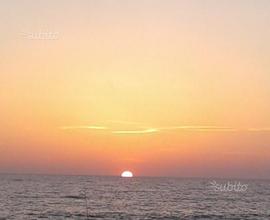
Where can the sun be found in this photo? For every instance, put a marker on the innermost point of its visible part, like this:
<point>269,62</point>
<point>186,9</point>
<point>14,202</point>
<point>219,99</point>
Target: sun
<point>127,174</point>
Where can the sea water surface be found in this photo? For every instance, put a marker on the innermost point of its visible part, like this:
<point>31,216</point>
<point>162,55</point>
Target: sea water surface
<point>95,197</point>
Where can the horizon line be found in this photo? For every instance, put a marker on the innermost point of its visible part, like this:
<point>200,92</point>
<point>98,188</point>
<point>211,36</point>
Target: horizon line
<point>136,176</point>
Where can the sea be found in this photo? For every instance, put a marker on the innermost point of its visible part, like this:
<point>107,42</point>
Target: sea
<point>107,197</point>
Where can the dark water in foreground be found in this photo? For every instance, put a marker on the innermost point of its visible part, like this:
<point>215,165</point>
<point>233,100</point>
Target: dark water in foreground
<point>89,197</point>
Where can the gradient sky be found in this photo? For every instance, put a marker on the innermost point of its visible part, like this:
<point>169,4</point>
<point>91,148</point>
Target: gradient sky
<point>161,88</point>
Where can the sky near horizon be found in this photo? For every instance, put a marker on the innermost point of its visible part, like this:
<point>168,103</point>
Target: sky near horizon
<point>161,88</point>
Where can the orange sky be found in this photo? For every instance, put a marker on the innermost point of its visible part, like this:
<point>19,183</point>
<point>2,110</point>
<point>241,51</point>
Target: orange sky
<point>178,88</point>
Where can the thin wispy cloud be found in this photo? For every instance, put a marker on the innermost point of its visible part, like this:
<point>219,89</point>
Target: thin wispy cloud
<point>145,131</point>
<point>136,129</point>
<point>199,128</point>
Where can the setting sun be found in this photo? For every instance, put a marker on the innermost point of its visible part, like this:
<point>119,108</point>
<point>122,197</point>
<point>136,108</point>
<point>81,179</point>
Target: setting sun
<point>127,174</point>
